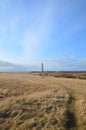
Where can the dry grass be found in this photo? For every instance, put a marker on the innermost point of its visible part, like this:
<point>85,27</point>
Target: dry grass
<point>73,75</point>
<point>32,102</point>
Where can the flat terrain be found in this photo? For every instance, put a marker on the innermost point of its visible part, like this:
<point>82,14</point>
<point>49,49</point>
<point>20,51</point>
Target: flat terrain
<point>42,102</point>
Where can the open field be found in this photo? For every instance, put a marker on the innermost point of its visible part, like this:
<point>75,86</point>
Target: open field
<point>42,102</point>
<point>73,75</point>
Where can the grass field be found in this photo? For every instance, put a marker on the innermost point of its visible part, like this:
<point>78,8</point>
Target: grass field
<point>52,101</point>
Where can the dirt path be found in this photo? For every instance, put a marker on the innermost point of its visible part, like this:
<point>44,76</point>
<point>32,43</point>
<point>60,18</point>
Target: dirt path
<point>76,108</point>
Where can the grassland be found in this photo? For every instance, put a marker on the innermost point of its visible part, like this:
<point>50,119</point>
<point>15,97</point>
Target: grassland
<point>48,101</point>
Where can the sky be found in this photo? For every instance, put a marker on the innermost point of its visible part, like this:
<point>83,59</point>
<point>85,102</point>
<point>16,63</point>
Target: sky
<point>48,31</point>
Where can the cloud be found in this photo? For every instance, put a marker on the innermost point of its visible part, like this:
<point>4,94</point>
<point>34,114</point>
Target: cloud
<point>65,64</point>
<point>49,65</point>
<point>38,27</point>
<point>6,66</point>
<point>34,40</point>
<point>30,38</point>
<point>72,57</point>
<point>55,19</point>
<point>81,64</point>
<point>1,55</point>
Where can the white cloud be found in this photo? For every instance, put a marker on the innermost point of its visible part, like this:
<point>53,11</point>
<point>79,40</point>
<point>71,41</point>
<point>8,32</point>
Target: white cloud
<point>6,66</point>
<point>1,55</point>
<point>71,57</point>
<point>34,39</point>
<point>49,65</point>
<point>40,30</point>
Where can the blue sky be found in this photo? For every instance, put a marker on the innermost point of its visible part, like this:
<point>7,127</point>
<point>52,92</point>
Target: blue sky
<point>48,31</point>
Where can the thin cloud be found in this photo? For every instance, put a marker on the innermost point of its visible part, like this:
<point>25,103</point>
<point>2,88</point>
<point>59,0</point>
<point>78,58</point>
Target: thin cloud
<point>6,66</point>
<point>49,65</point>
<point>33,30</point>
<point>34,39</point>
<point>72,57</point>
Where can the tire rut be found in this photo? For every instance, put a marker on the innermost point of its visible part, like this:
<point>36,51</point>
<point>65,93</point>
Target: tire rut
<point>72,110</point>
